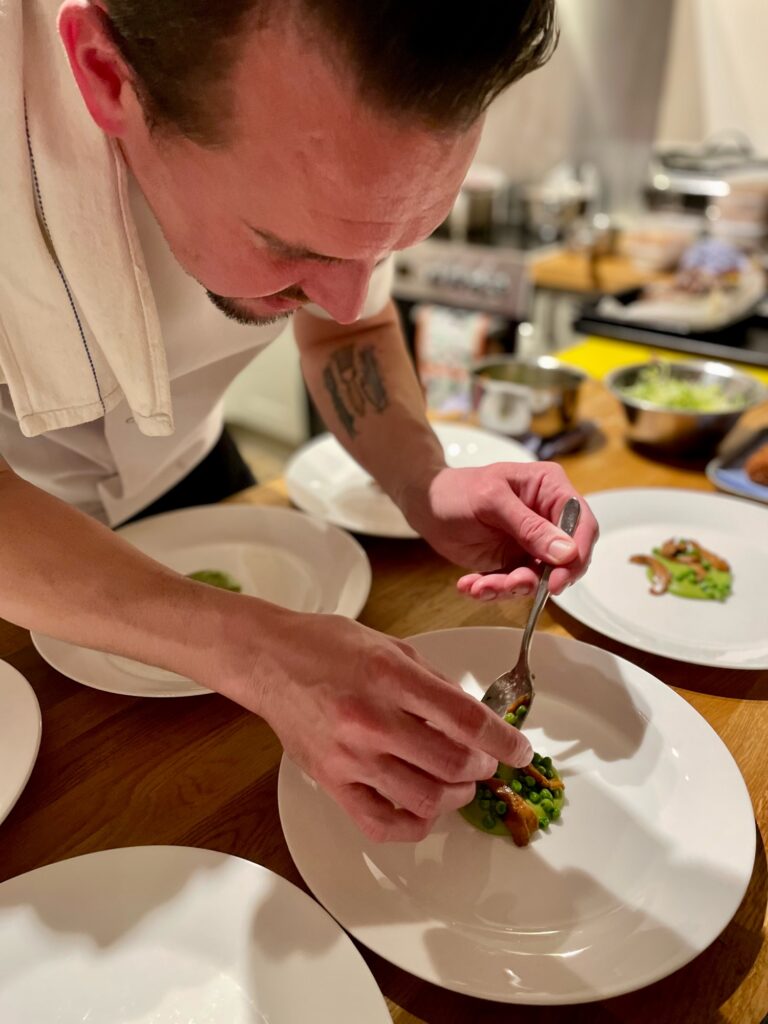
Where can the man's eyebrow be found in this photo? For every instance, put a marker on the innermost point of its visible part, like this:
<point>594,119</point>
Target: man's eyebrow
<point>298,252</point>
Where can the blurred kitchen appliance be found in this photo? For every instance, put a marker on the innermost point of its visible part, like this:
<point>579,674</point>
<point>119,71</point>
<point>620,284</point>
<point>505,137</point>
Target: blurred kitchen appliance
<point>481,278</point>
<point>723,180</point>
<point>480,208</point>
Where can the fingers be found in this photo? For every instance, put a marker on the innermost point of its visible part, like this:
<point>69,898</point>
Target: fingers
<point>413,790</point>
<point>525,502</point>
<point>585,536</point>
<point>378,818</point>
<point>499,507</point>
<point>521,582</point>
<point>548,492</point>
<point>465,720</point>
<point>436,754</point>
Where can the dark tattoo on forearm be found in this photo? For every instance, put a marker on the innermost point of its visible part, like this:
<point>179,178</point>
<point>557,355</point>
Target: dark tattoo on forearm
<point>373,385</point>
<point>342,411</point>
<point>353,380</point>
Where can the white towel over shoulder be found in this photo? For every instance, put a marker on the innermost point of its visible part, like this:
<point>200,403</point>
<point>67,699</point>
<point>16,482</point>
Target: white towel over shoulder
<point>68,360</point>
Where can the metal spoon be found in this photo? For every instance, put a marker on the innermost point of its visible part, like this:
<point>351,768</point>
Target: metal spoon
<point>516,686</point>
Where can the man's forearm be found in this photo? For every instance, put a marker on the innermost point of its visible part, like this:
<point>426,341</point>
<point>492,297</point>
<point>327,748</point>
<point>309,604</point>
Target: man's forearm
<point>70,577</point>
<point>365,387</point>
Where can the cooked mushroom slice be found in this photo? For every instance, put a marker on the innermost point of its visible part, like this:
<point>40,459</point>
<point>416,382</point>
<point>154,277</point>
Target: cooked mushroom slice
<point>515,706</point>
<point>672,548</point>
<point>542,780</point>
<point>662,577</point>
<point>708,556</point>
<point>521,820</point>
<point>692,561</point>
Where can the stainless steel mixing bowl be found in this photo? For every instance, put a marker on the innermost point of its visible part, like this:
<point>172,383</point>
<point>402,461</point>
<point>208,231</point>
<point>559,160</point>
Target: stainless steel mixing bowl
<point>678,431</point>
<point>516,396</point>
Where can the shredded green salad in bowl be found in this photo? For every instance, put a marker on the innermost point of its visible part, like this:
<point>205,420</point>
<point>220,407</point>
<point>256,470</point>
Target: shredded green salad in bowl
<point>657,385</point>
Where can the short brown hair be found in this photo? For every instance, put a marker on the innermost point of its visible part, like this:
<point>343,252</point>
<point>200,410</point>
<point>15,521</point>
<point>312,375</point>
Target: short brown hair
<point>437,63</point>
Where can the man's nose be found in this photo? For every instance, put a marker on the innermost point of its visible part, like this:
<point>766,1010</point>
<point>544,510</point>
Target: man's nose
<point>340,289</point>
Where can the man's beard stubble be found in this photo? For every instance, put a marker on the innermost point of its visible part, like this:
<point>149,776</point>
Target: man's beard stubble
<point>234,311</point>
<point>230,309</point>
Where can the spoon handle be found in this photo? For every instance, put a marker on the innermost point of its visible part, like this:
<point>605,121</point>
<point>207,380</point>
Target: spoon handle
<point>569,520</point>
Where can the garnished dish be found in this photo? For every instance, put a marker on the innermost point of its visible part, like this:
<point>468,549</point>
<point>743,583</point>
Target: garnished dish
<point>715,284</point>
<point>656,385</point>
<point>216,578</point>
<point>517,801</point>
<point>684,568</point>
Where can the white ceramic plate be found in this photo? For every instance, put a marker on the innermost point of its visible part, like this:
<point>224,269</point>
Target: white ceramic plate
<point>20,730</point>
<point>638,876</point>
<point>614,596</point>
<point>325,481</point>
<point>170,935</point>
<point>276,554</point>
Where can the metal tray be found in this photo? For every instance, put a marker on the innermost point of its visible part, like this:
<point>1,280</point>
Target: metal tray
<point>726,471</point>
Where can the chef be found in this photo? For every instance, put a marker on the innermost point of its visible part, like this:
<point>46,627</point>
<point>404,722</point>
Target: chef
<point>179,178</point>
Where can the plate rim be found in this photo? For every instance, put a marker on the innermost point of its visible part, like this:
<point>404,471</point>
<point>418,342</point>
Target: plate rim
<point>351,610</point>
<point>514,998</point>
<point>20,680</point>
<point>562,600</point>
<point>345,523</point>
<point>356,959</point>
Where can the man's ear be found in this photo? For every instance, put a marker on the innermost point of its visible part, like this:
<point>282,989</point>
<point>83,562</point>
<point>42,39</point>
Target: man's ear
<point>100,72</point>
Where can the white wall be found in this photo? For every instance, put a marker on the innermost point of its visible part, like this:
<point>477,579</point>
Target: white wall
<point>717,76</point>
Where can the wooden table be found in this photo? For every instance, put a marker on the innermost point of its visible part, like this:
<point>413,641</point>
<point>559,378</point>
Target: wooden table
<point>117,771</point>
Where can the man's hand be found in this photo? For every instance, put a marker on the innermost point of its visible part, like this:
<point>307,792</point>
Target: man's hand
<point>500,520</point>
<point>392,741</point>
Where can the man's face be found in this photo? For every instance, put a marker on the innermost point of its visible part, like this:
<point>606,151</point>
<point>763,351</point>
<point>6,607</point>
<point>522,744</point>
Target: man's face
<point>310,192</point>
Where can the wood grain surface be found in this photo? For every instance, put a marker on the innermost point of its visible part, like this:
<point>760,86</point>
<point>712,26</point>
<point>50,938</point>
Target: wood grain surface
<point>117,771</point>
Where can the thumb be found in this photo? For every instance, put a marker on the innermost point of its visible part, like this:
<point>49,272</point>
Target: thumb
<point>536,535</point>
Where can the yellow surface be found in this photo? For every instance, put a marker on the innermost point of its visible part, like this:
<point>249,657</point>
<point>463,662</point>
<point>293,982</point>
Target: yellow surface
<point>599,356</point>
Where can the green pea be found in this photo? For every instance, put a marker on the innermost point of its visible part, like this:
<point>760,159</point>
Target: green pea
<point>529,781</point>
<point>534,797</point>
<point>517,785</point>
<point>489,821</point>
<point>500,807</point>
<point>536,758</point>
<point>544,823</point>
<point>485,804</point>
<point>547,762</point>
<point>547,805</point>
<point>522,711</point>
<point>510,719</point>
<point>555,813</point>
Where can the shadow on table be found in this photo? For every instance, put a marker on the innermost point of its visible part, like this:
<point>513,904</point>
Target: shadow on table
<point>716,682</point>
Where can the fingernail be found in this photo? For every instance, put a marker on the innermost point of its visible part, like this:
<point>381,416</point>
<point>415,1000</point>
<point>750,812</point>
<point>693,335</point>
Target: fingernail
<point>486,595</point>
<point>524,590</point>
<point>561,550</point>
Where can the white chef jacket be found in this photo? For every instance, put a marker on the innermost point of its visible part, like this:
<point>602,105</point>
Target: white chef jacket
<point>113,361</point>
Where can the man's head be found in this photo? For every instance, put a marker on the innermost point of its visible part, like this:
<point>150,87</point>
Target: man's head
<point>286,146</point>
